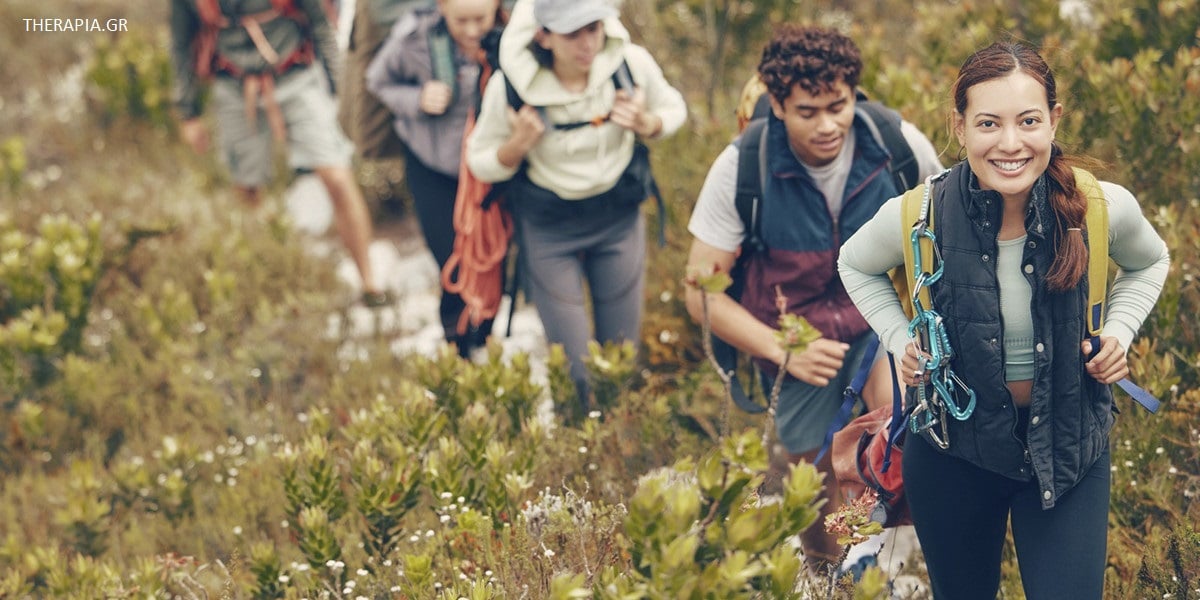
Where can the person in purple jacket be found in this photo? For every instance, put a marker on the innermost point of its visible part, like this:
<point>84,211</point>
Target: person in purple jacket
<point>427,73</point>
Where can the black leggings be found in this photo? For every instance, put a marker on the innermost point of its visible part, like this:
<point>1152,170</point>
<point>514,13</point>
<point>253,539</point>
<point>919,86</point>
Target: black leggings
<point>433,197</point>
<point>961,514</point>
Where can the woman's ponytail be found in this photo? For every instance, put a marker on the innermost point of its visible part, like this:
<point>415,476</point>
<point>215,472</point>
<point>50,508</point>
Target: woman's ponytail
<point>1070,210</point>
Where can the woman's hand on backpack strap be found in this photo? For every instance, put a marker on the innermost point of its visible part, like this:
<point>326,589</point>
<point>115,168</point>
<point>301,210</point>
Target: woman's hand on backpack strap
<point>1110,365</point>
<point>435,98</point>
<point>629,111</point>
<point>527,127</point>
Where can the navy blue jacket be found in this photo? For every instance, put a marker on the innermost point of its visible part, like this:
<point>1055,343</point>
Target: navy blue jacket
<point>802,238</point>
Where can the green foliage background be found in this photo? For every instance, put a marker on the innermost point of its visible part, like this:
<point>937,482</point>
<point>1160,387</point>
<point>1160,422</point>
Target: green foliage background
<point>180,414</point>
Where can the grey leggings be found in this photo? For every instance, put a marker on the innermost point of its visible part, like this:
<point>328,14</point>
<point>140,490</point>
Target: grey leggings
<point>606,251</point>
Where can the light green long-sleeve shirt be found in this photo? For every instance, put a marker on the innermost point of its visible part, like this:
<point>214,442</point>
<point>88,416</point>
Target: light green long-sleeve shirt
<point>1133,245</point>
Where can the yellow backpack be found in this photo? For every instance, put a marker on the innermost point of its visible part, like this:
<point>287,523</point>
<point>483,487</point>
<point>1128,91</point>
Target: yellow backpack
<point>1097,221</point>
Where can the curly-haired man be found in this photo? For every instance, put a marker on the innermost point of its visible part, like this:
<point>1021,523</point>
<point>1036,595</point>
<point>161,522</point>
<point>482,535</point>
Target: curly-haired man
<point>824,175</point>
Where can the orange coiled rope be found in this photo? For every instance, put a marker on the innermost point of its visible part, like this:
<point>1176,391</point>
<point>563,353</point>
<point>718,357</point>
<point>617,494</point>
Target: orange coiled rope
<point>475,269</point>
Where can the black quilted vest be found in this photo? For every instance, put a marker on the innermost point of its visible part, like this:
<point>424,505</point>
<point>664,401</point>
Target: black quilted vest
<point>1071,413</point>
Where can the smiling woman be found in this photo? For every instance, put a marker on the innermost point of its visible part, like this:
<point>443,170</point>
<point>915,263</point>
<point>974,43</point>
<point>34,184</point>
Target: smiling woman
<point>1012,235</point>
<point>1008,135</point>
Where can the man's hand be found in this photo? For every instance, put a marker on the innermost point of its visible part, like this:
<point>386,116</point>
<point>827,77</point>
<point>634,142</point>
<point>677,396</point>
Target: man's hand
<point>195,134</point>
<point>435,98</point>
<point>629,111</point>
<point>819,363</point>
<point>1110,364</point>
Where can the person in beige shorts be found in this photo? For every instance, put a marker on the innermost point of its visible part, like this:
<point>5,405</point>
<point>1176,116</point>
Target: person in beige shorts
<point>268,88</point>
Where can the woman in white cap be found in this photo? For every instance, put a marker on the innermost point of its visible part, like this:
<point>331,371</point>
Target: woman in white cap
<point>563,127</point>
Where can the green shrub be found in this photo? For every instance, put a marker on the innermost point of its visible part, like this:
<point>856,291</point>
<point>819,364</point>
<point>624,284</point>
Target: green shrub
<point>46,285</point>
<point>13,162</point>
<point>130,78</point>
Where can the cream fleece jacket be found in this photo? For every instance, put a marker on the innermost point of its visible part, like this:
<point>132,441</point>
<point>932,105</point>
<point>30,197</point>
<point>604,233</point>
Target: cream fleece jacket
<point>581,162</point>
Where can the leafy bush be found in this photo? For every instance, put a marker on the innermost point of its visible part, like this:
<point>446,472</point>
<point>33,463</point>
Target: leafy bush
<point>12,162</point>
<point>130,77</point>
<point>46,285</point>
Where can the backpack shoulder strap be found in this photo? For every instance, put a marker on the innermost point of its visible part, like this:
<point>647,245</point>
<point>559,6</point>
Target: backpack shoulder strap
<point>441,54</point>
<point>903,165</point>
<point>1097,241</point>
<point>515,101</point>
<point>751,180</point>
<point>748,200</point>
<point>622,78</point>
<point>850,396</point>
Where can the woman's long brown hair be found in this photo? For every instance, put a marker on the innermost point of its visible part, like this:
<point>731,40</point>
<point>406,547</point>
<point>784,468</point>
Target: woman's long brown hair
<point>1066,200</point>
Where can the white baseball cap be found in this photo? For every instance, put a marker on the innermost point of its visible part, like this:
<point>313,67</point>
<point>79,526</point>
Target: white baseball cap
<point>567,16</point>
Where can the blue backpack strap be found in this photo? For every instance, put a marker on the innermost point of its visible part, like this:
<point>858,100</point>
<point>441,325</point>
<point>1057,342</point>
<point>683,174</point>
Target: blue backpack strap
<point>1136,392</point>
<point>851,395</point>
<point>1139,395</point>
<point>896,427</point>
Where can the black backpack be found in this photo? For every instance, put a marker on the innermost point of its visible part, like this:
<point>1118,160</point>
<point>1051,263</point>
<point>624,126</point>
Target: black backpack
<point>752,173</point>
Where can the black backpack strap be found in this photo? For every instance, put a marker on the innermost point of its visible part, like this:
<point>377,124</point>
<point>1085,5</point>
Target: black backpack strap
<point>751,180</point>
<point>622,79</point>
<point>751,176</point>
<point>903,166</point>
<point>514,99</point>
<point>762,107</point>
